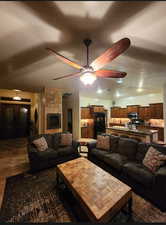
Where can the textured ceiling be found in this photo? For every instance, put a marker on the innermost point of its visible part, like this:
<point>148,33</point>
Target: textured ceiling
<point>28,27</point>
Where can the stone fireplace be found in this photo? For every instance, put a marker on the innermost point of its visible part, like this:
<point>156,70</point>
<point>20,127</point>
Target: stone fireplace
<point>51,109</point>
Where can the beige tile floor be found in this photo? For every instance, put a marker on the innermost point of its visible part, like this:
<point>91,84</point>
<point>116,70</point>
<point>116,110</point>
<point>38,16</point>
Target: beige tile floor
<point>13,160</point>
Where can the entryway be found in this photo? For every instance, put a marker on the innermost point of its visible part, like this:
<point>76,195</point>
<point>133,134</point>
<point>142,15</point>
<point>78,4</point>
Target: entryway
<point>14,120</point>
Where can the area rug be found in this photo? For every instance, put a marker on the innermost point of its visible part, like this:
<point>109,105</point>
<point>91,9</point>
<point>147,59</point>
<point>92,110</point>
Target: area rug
<point>34,198</point>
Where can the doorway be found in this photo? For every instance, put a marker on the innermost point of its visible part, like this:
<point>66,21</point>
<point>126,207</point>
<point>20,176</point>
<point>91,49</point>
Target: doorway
<point>69,120</point>
<point>14,120</point>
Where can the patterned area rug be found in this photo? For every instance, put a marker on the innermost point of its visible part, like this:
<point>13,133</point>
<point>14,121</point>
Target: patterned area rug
<point>34,198</point>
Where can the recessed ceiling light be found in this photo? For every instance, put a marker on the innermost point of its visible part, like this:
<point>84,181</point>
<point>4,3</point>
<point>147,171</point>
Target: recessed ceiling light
<point>117,94</point>
<point>139,89</point>
<point>99,91</point>
<point>119,81</point>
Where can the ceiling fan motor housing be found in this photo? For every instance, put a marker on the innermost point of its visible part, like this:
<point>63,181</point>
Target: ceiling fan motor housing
<point>87,42</point>
<point>87,69</point>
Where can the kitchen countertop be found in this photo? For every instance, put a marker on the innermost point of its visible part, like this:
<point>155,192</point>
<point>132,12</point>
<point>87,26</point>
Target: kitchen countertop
<point>143,132</point>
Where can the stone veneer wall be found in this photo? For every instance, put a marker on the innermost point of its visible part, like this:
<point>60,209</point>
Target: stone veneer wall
<point>72,102</point>
<point>51,102</point>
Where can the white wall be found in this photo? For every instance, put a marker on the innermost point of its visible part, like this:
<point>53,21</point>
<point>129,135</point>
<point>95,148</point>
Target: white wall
<point>85,101</point>
<point>143,100</point>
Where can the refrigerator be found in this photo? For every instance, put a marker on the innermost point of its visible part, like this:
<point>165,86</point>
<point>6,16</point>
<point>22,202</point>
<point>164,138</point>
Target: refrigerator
<point>99,123</point>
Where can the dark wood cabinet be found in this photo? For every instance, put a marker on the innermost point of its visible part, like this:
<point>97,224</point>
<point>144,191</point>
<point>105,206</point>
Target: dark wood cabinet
<point>118,112</point>
<point>144,112</point>
<point>156,111</point>
<point>153,111</point>
<point>160,132</point>
<point>85,113</point>
<point>122,112</point>
<point>159,129</point>
<point>84,133</point>
<point>87,132</point>
<point>115,112</point>
<point>97,108</point>
<point>90,132</point>
<point>132,108</point>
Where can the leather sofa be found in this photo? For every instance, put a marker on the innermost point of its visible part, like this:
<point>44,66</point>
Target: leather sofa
<point>124,161</point>
<point>52,156</point>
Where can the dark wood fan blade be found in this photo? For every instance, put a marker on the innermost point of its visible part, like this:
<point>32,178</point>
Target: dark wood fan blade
<point>67,76</point>
<point>66,60</point>
<point>117,49</point>
<point>110,74</point>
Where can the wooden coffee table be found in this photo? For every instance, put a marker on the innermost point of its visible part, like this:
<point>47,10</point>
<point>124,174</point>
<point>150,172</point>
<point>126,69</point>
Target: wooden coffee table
<point>100,194</point>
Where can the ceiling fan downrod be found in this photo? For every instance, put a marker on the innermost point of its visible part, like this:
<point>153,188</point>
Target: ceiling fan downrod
<point>87,42</point>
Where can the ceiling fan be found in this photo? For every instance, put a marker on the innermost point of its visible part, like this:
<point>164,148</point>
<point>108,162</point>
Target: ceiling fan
<point>89,73</point>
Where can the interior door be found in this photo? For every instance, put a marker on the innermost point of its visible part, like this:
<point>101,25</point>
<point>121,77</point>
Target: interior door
<point>22,120</point>
<point>70,120</point>
<point>7,121</point>
<point>14,120</point>
<point>99,124</point>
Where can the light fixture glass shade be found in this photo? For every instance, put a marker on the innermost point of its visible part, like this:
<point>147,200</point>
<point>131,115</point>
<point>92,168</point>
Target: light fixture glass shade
<point>99,91</point>
<point>119,81</point>
<point>88,78</point>
<point>17,98</point>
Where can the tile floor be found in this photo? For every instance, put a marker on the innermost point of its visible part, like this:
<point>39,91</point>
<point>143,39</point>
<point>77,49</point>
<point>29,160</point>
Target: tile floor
<point>13,160</point>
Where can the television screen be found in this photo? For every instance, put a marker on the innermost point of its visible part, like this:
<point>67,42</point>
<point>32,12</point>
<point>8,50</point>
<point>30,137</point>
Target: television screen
<point>53,120</point>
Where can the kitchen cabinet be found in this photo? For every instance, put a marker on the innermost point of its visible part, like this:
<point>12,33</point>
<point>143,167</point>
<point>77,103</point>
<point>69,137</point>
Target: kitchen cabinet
<point>122,112</point>
<point>144,112</point>
<point>95,108</point>
<point>115,112</point>
<point>87,132</point>
<point>84,133</point>
<point>132,108</point>
<point>85,113</point>
<point>156,111</point>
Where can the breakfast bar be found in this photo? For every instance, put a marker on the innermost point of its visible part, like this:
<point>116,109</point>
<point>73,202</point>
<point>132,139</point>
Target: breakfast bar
<point>144,135</point>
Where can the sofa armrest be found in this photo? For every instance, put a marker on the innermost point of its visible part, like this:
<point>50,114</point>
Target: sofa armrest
<point>91,145</point>
<point>160,178</point>
<point>161,173</point>
<point>75,145</point>
<point>32,152</point>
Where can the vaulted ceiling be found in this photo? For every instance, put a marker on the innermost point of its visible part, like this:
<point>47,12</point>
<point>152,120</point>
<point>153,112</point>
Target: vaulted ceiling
<point>27,28</point>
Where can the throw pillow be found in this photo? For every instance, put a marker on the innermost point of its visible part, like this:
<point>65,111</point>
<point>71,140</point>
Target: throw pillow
<point>153,159</point>
<point>40,144</point>
<point>66,139</point>
<point>103,142</point>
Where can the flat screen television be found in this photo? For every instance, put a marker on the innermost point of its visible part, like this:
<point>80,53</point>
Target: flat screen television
<point>53,120</point>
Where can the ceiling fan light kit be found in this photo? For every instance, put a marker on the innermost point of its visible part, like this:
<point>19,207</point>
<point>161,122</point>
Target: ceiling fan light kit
<point>89,73</point>
<point>88,78</point>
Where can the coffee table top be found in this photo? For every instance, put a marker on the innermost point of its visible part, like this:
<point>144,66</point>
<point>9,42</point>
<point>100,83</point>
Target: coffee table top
<point>98,191</point>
